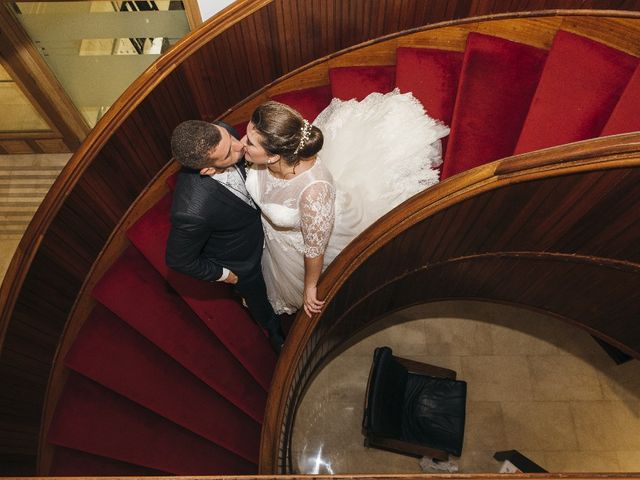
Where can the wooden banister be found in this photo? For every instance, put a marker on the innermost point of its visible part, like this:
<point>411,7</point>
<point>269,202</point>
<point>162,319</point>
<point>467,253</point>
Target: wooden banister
<point>197,78</point>
<point>523,231</point>
<point>431,476</point>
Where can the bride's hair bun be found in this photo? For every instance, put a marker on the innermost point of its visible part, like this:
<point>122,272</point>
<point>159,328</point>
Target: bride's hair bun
<point>286,133</point>
<point>312,144</point>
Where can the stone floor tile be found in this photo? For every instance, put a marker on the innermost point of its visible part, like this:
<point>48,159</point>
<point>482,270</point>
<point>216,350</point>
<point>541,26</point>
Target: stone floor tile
<point>346,378</point>
<point>607,425</point>
<point>545,426</point>
<point>484,427</point>
<point>496,378</point>
<point>563,377</point>
<point>592,462</point>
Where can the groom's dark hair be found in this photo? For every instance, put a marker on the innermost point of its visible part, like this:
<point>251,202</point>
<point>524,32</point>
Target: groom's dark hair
<point>191,142</point>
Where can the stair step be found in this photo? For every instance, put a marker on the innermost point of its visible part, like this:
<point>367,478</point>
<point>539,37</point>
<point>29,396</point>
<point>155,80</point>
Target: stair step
<point>23,191</point>
<point>171,181</point>
<point>580,85</point>
<point>95,420</point>
<point>497,83</point>
<point>625,117</point>
<point>213,302</point>
<point>111,353</point>
<point>13,229</point>
<point>19,208</point>
<point>20,202</point>
<point>309,101</point>
<point>432,76</point>
<point>74,463</point>
<point>47,161</point>
<point>136,293</point>
<point>26,182</point>
<point>27,169</point>
<point>358,82</point>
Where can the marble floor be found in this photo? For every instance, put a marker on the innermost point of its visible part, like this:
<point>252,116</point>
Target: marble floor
<point>535,384</point>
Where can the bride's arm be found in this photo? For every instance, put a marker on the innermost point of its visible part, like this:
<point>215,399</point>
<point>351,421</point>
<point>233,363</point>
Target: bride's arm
<point>316,223</point>
<point>312,271</point>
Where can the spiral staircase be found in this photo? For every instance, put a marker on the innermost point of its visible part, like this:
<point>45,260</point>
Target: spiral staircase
<point>164,375</point>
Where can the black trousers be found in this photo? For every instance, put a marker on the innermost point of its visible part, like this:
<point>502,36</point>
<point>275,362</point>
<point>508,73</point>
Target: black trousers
<point>254,292</point>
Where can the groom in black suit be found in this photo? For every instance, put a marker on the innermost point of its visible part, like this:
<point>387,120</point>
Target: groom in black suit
<point>216,233</point>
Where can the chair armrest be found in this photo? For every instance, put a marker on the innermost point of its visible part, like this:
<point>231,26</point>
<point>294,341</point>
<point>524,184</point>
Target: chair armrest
<point>366,399</point>
<point>425,368</point>
<point>405,448</point>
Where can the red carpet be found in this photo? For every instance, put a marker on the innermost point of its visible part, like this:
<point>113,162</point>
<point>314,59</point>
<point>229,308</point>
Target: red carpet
<point>135,292</point>
<point>150,440</point>
<point>358,82</point>
<point>141,372</point>
<point>309,101</point>
<point>626,117</point>
<point>432,76</point>
<point>496,86</point>
<point>214,303</point>
<point>581,83</point>
<point>73,463</point>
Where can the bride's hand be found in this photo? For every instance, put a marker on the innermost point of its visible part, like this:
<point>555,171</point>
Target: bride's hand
<point>311,303</point>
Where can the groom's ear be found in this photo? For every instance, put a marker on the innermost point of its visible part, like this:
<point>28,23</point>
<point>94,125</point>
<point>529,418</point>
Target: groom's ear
<point>206,170</point>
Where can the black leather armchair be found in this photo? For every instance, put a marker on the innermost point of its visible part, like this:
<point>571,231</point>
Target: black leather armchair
<point>413,408</point>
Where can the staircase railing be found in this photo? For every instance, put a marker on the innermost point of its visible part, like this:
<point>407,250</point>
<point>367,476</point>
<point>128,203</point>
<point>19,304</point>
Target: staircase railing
<point>198,78</point>
<point>483,235</point>
<point>461,476</point>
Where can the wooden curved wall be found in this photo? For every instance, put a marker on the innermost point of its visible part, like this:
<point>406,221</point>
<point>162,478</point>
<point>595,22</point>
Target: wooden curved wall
<point>199,78</point>
<point>572,226</point>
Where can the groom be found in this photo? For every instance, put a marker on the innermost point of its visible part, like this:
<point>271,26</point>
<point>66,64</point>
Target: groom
<point>216,233</point>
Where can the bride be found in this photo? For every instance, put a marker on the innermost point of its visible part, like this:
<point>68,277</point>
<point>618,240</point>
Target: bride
<point>320,185</point>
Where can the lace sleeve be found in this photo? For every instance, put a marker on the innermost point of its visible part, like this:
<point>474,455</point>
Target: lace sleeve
<point>317,211</point>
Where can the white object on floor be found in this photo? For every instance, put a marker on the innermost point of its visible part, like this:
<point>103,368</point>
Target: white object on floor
<point>430,465</point>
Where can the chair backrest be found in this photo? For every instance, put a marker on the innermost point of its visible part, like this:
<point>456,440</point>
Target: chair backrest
<point>385,395</point>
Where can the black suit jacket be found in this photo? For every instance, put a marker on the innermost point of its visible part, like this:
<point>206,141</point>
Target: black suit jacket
<point>212,228</point>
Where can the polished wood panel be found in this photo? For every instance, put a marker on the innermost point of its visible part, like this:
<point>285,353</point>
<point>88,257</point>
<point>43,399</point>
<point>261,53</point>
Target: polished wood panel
<point>399,476</point>
<point>234,56</point>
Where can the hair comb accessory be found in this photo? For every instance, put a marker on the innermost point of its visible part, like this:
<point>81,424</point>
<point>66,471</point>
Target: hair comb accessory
<point>305,133</point>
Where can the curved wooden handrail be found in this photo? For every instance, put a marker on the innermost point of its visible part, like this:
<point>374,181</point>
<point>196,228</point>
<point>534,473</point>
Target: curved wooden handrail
<point>400,476</point>
<point>129,146</point>
<point>371,278</point>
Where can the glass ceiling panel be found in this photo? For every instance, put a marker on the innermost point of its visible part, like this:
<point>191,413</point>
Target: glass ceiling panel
<point>97,49</point>
<point>18,114</point>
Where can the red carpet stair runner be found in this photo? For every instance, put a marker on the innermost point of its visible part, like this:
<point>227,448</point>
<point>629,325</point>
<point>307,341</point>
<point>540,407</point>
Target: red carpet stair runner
<point>170,375</point>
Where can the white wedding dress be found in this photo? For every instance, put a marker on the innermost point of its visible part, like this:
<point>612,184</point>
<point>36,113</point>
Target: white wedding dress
<point>376,154</point>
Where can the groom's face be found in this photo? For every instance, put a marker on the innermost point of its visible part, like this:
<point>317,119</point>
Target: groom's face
<point>228,152</point>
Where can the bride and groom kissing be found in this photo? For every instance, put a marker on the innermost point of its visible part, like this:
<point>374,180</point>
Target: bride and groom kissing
<point>267,213</point>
